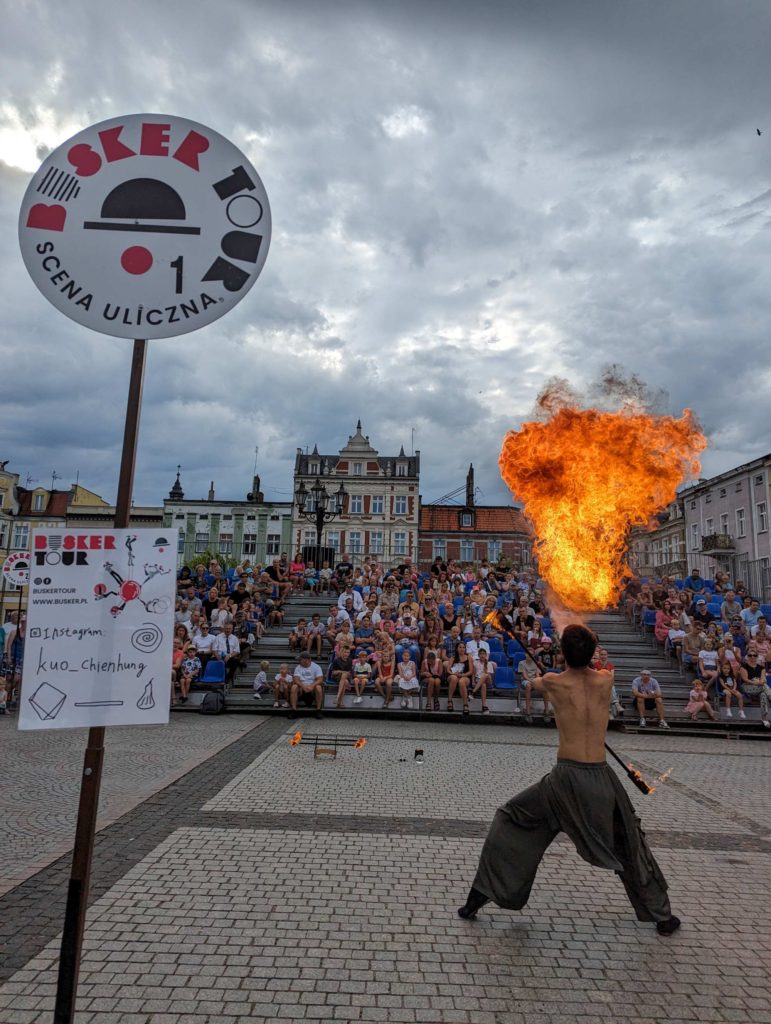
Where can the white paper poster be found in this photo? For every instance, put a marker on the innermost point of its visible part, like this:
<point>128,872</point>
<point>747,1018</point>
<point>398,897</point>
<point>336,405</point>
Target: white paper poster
<point>100,624</point>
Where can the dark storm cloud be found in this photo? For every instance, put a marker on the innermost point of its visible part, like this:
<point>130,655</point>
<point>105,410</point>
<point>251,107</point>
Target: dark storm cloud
<point>467,200</point>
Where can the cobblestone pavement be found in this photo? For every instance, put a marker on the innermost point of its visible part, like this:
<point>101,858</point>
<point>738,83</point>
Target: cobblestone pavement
<point>41,780</point>
<point>264,886</point>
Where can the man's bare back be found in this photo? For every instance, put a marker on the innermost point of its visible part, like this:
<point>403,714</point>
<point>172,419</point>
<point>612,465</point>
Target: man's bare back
<point>581,698</point>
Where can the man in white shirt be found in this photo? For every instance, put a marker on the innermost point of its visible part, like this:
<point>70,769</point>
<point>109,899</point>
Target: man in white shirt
<point>350,594</point>
<point>228,649</point>
<point>476,644</point>
<point>204,644</point>
<point>307,685</point>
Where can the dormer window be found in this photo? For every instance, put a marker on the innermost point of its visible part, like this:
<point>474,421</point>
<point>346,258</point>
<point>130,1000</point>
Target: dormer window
<point>314,469</point>
<point>467,519</point>
<point>357,469</point>
<point>38,503</point>
<point>401,469</point>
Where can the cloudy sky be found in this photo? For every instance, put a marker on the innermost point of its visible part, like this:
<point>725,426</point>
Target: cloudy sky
<point>467,199</point>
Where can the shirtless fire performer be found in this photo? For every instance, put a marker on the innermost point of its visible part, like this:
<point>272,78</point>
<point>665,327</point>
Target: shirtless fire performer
<point>581,796</point>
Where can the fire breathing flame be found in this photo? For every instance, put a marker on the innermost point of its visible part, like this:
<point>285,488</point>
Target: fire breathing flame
<point>663,777</point>
<point>360,742</point>
<point>586,477</point>
<point>295,739</point>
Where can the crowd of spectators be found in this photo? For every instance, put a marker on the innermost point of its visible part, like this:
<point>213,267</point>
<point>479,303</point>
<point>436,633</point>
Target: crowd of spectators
<point>395,630</point>
<point>716,630</point>
<point>400,633</point>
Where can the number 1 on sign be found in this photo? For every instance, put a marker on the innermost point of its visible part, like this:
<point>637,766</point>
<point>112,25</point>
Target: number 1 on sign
<point>177,265</point>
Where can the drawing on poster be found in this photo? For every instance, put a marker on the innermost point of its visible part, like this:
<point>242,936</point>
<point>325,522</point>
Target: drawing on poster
<point>98,703</point>
<point>47,701</point>
<point>131,590</point>
<point>147,701</point>
<point>130,548</point>
<point>147,638</point>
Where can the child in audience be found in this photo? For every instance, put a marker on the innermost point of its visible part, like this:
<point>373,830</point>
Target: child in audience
<point>281,686</point>
<point>298,636</point>
<point>362,673</point>
<point>407,680</point>
<point>699,701</point>
<point>261,680</point>
<point>190,670</point>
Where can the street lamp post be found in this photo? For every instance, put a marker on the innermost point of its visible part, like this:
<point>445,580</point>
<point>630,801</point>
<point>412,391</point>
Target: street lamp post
<point>325,507</point>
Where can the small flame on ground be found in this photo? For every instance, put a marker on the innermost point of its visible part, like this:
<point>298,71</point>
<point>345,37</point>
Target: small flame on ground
<point>360,742</point>
<point>586,477</point>
<point>295,739</point>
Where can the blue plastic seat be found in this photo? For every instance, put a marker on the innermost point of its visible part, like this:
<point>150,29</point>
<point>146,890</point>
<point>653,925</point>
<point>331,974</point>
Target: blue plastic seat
<point>515,648</point>
<point>499,658</point>
<point>504,679</point>
<point>495,644</point>
<point>457,602</point>
<point>765,609</point>
<point>214,673</point>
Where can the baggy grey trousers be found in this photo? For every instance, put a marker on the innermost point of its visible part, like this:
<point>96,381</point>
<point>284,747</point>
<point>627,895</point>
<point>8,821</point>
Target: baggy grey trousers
<point>589,804</point>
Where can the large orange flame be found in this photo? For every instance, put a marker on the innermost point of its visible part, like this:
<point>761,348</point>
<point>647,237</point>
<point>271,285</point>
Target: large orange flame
<point>585,478</point>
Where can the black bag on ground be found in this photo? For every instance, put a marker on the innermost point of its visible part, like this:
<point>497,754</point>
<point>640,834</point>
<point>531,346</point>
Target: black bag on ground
<point>213,703</point>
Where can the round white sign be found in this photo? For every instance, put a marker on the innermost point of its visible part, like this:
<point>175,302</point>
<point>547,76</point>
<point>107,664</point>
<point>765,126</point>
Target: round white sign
<point>145,226</point>
<point>16,568</point>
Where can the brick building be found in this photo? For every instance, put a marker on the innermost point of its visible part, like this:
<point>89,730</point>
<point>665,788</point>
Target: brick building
<point>471,532</point>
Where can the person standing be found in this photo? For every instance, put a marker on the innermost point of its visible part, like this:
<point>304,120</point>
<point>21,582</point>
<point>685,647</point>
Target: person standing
<point>581,796</point>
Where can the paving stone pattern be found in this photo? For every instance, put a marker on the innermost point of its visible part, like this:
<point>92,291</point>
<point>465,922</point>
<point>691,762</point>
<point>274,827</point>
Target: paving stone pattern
<point>247,893</point>
<point>41,779</point>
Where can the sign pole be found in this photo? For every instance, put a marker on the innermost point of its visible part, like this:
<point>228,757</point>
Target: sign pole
<point>85,829</point>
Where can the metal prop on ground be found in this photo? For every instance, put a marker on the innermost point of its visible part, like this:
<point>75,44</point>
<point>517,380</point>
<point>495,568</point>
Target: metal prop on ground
<point>332,744</point>
<point>632,773</point>
<point>143,178</point>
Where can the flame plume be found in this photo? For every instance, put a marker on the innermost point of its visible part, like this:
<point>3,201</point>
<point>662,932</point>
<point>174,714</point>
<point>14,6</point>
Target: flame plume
<point>586,477</point>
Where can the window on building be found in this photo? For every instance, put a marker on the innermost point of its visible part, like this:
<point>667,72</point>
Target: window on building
<point>467,519</point>
<point>180,543</point>
<point>709,526</point>
<point>762,516</point>
<point>741,523</point>
<point>376,542</point>
<point>357,469</point>
<point>354,542</point>
<point>309,538</point>
<point>226,543</point>
<point>738,486</point>
<point>494,548</point>
<point>439,548</point>
<point>724,522</point>
<point>467,551</point>
<point>708,499</point>
<point>693,504</point>
<point>250,544</point>
<point>3,493</point>
<point>180,515</point>
<point>273,544</point>
<point>21,536</point>
<point>399,542</point>
<point>310,503</point>
<point>3,534</point>
<point>356,506</point>
<point>759,478</point>
<point>313,468</point>
<point>400,505</point>
<point>38,503</point>
<point>201,542</point>
<point>377,505</point>
<point>401,469</point>
<point>722,492</point>
<point>333,539</point>
<point>695,537</point>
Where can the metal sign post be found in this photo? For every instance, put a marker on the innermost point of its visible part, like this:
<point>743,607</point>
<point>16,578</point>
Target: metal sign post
<point>88,805</point>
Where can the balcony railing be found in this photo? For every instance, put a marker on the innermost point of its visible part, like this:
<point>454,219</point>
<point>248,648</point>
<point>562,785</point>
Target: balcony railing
<point>718,542</point>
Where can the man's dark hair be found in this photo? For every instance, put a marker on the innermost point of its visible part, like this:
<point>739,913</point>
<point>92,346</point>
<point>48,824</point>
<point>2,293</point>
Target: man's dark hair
<point>578,645</point>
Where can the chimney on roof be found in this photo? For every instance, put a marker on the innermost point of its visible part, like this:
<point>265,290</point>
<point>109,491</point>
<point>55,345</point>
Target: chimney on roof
<point>470,486</point>
<point>210,496</point>
<point>255,494</point>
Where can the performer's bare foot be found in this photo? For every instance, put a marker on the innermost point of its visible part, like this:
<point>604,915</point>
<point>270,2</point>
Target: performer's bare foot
<point>669,926</point>
<point>474,902</point>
